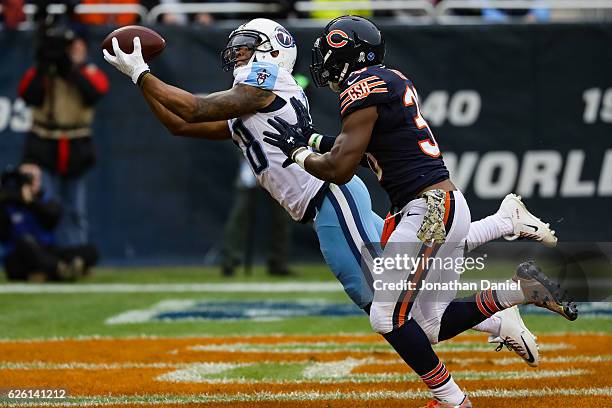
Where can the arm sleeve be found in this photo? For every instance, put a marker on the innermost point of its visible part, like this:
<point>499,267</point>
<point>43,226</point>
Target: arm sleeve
<point>91,82</point>
<point>364,90</point>
<point>32,87</point>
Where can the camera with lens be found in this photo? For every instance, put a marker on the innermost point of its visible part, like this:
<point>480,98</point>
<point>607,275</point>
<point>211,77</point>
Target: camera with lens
<point>52,52</point>
<point>53,46</point>
<point>12,181</point>
<point>54,37</point>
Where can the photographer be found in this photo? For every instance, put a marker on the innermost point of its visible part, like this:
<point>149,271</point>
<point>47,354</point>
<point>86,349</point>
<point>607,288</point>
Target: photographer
<point>62,90</point>
<point>27,219</point>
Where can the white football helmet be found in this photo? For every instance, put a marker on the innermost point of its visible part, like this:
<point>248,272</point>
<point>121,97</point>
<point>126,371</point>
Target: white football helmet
<point>269,41</point>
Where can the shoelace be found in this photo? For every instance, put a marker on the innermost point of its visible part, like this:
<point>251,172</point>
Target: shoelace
<point>512,346</point>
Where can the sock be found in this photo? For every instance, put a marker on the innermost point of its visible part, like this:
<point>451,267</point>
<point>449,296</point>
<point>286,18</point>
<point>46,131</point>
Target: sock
<point>460,315</point>
<point>485,230</point>
<point>412,344</point>
<point>508,298</point>
<point>465,313</point>
<point>443,386</point>
<point>490,325</point>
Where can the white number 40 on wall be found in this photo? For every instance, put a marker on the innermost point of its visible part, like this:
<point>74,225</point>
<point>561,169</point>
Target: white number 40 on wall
<point>14,116</point>
<point>597,105</point>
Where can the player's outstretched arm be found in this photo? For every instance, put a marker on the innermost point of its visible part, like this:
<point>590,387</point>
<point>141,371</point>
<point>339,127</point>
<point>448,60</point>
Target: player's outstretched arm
<point>240,100</point>
<point>340,163</point>
<point>217,130</point>
<point>232,103</point>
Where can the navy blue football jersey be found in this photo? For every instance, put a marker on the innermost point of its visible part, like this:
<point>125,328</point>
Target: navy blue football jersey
<point>402,151</point>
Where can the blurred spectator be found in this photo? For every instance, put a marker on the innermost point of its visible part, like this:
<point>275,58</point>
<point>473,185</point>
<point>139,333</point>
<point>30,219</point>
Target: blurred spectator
<point>62,90</point>
<point>240,236</point>
<point>493,15</point>
<point>286,9</point>
<point>168,18</point>
<point>28,217</point>
<point>114,19</point>
<point>12,13</point>
<point>340,11</point>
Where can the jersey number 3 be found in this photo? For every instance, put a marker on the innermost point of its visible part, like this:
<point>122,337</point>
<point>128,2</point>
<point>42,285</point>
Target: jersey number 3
<point>428,146</point>
<point>253,150</point>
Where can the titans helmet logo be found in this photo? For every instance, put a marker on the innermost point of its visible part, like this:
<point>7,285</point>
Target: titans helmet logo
<point>284,38</point>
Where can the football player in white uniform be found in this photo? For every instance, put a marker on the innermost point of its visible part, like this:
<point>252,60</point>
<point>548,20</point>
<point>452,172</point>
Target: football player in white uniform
<point>261,54</point>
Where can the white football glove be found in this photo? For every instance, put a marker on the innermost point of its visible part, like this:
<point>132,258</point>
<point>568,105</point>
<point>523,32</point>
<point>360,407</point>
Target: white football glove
<point>132,65</point>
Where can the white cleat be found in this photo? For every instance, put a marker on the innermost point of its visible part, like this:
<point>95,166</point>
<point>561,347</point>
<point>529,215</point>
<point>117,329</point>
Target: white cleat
<point>516,336</point>
<point>525,224</point>
<point>438,404</point>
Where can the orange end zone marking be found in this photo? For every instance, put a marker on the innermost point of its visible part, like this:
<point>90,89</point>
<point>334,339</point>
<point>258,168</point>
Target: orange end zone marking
<point>142,381</point>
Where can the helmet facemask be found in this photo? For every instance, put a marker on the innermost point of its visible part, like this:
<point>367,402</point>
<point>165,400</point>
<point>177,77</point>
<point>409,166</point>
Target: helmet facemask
<point>240,40</point>
<point>325,70</point>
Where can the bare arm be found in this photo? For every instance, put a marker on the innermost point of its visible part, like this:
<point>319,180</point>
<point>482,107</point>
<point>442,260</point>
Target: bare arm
<point>217,130</point>
<point>232,103</point>
<point>340,163</point>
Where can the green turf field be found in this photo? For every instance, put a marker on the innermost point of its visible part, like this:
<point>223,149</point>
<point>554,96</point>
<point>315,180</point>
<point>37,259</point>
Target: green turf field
<point>185,336</point>
<point>44,315</point>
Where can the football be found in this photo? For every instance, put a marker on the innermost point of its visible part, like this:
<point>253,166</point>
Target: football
<point>152,43</point>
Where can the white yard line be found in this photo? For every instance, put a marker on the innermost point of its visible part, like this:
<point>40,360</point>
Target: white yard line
<point>357,335</point>
<point>354,347</point>
<point>256,287</point>
<point>515,360</point>
<point>335,369</point>
<point>78,365</point>
<point>317,396</point>
<point>192,375</point>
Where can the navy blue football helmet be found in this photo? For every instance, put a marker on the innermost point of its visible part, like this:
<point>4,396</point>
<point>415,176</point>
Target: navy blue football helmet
<point>348,43</point>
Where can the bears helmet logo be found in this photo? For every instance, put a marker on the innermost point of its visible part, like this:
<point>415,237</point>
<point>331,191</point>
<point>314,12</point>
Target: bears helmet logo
<point>339,34</point>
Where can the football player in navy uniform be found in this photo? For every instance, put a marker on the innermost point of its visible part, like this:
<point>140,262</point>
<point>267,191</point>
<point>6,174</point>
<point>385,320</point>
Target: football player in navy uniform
<point>430,217</point>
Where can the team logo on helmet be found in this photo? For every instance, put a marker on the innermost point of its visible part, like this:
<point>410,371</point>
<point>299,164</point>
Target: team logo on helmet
<point>337,38</point>
<point>283,37</point>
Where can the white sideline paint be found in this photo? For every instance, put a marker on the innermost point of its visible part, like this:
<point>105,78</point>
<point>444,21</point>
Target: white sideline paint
<point>318,396</point>
<point>146,315</point>
<point>256,287</point>
<point>268,311</point>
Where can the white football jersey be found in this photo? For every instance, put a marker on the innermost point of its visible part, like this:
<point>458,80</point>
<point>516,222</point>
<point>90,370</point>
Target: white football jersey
<point>292,186</point>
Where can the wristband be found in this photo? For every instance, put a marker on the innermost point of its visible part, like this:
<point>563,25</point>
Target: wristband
<point>315,140</point>
<point>141,77</point>
<point>300,155</point>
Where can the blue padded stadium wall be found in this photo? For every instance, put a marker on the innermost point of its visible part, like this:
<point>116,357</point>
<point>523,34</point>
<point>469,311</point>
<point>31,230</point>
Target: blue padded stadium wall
<point>531,117</point>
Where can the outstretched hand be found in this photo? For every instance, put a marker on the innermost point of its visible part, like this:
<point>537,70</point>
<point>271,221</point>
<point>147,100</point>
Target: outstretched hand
<point>289,138</point>
<point>132,65</point>
<point>304,122</point>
